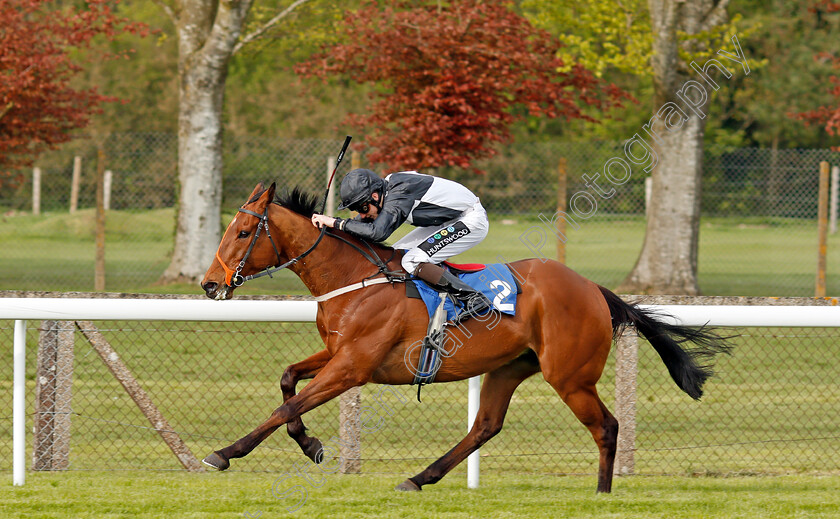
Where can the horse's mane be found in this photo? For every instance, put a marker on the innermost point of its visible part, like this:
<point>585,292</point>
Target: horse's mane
<point>298,201</point>
<point>304,204</point>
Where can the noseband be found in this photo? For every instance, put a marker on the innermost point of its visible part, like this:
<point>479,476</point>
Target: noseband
<point>234,278</point>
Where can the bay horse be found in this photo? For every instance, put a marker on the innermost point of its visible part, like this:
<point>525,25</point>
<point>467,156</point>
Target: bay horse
<point>563,328</point>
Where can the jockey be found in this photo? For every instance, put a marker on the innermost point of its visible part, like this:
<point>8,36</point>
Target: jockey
<point>448,216</point>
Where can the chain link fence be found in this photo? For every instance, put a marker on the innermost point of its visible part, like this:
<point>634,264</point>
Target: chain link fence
<point>770,409</point>
<point>758,229</point>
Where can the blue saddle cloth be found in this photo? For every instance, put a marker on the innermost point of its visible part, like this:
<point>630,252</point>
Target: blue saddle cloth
<point>496,282</point>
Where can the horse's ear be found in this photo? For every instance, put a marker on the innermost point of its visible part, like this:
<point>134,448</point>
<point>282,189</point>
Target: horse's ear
<point>271,189</point>
<point>257,190</point>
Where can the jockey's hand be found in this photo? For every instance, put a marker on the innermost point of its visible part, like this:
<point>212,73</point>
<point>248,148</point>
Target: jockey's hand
<point>320,220</point>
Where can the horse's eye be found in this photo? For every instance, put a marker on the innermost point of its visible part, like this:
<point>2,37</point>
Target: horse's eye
<point>244,234</point>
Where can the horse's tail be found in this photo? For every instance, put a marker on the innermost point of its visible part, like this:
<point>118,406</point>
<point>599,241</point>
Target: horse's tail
<point>688,367</point>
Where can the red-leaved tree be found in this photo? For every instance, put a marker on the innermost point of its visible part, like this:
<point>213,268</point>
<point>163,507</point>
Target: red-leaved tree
<point>38,105</point>
<point>828,115</point>
<point>450,79</point>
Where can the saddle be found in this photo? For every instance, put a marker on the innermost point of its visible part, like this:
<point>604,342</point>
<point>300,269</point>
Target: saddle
<point>495,281</point>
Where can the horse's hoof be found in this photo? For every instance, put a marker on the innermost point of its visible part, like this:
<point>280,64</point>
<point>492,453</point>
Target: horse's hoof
<point>216,461</point>
<point>408,486</point>
<point>314,450</point>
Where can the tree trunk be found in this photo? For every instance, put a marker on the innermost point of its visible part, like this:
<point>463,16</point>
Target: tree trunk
<point>199,174</point>
<point>668,261</point>
<point>775,183</point>
<point>207,33</point>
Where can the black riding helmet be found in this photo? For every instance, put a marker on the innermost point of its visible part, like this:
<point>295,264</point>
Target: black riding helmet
<point>358,186</point>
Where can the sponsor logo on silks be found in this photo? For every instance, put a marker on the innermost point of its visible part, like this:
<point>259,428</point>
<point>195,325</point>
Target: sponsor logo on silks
<point>443,238</point>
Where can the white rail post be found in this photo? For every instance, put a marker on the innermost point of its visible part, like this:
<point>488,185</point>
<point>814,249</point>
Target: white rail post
<point>19,405</point>
<point>472,411</point>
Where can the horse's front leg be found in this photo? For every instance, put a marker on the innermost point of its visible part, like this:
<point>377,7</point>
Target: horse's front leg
<point>303,370</point>
<point>336,377</point>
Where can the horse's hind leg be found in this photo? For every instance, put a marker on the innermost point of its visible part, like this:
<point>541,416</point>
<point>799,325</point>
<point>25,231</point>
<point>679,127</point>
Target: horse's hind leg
<point>496,391</point>
<point>587,406</point>
<point>303,370</point>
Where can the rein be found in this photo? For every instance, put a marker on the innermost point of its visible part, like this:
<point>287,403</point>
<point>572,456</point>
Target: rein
<point>234,278</point>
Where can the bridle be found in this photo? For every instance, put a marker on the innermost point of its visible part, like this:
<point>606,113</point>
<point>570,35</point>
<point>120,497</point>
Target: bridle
<point>234,278</point>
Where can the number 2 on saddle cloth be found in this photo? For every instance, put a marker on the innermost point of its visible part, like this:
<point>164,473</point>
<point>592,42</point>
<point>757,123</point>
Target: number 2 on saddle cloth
<point>495,281</point>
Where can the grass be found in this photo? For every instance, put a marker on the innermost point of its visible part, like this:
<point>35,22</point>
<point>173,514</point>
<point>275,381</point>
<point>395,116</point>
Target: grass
<point>767,257</point>
<point>105,495</point>
<point>771,409</point>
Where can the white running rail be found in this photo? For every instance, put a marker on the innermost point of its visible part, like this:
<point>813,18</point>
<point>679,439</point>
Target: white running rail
<point>71,309</point>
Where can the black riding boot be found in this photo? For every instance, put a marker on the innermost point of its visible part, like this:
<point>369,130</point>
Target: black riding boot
<point>475,303</point>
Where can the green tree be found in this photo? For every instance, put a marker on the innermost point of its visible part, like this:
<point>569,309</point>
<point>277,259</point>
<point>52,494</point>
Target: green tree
<point>450,77</point>
<point>39,105</point>
<point>827,115</point>
<point>209,33</point>
<point>681,32</point>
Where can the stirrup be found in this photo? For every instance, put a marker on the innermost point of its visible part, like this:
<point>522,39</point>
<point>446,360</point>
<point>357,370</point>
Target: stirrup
<point>430,352</point>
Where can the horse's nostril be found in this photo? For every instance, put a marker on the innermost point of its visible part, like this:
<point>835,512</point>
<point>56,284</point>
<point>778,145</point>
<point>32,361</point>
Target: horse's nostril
<point>209,288</point>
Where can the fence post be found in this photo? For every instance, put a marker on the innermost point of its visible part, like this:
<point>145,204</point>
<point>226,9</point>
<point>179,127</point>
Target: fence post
<point>109,179</point>
<point>350,402</point>
<point>822,230</point>
<point>350,431</point>
<point>99,267</point>
<point>832,217</point>
<point>53,394</point>
<point>626,369</point>
<point>330,207</point>
<point>561,207</point>
<point>74,184</point>
<point>36,191</point>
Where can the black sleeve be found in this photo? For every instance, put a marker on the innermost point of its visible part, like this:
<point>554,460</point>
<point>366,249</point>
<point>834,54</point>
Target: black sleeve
<point>395,208</point>
<point>385,224</point>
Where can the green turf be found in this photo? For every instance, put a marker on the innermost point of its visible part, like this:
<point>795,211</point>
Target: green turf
<point>771,409</point>
<point>769,257</point>
<point>236,495</point>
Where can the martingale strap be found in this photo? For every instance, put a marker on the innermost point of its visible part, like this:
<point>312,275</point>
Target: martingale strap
<point>393,276</point>
<point>390,275</point>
